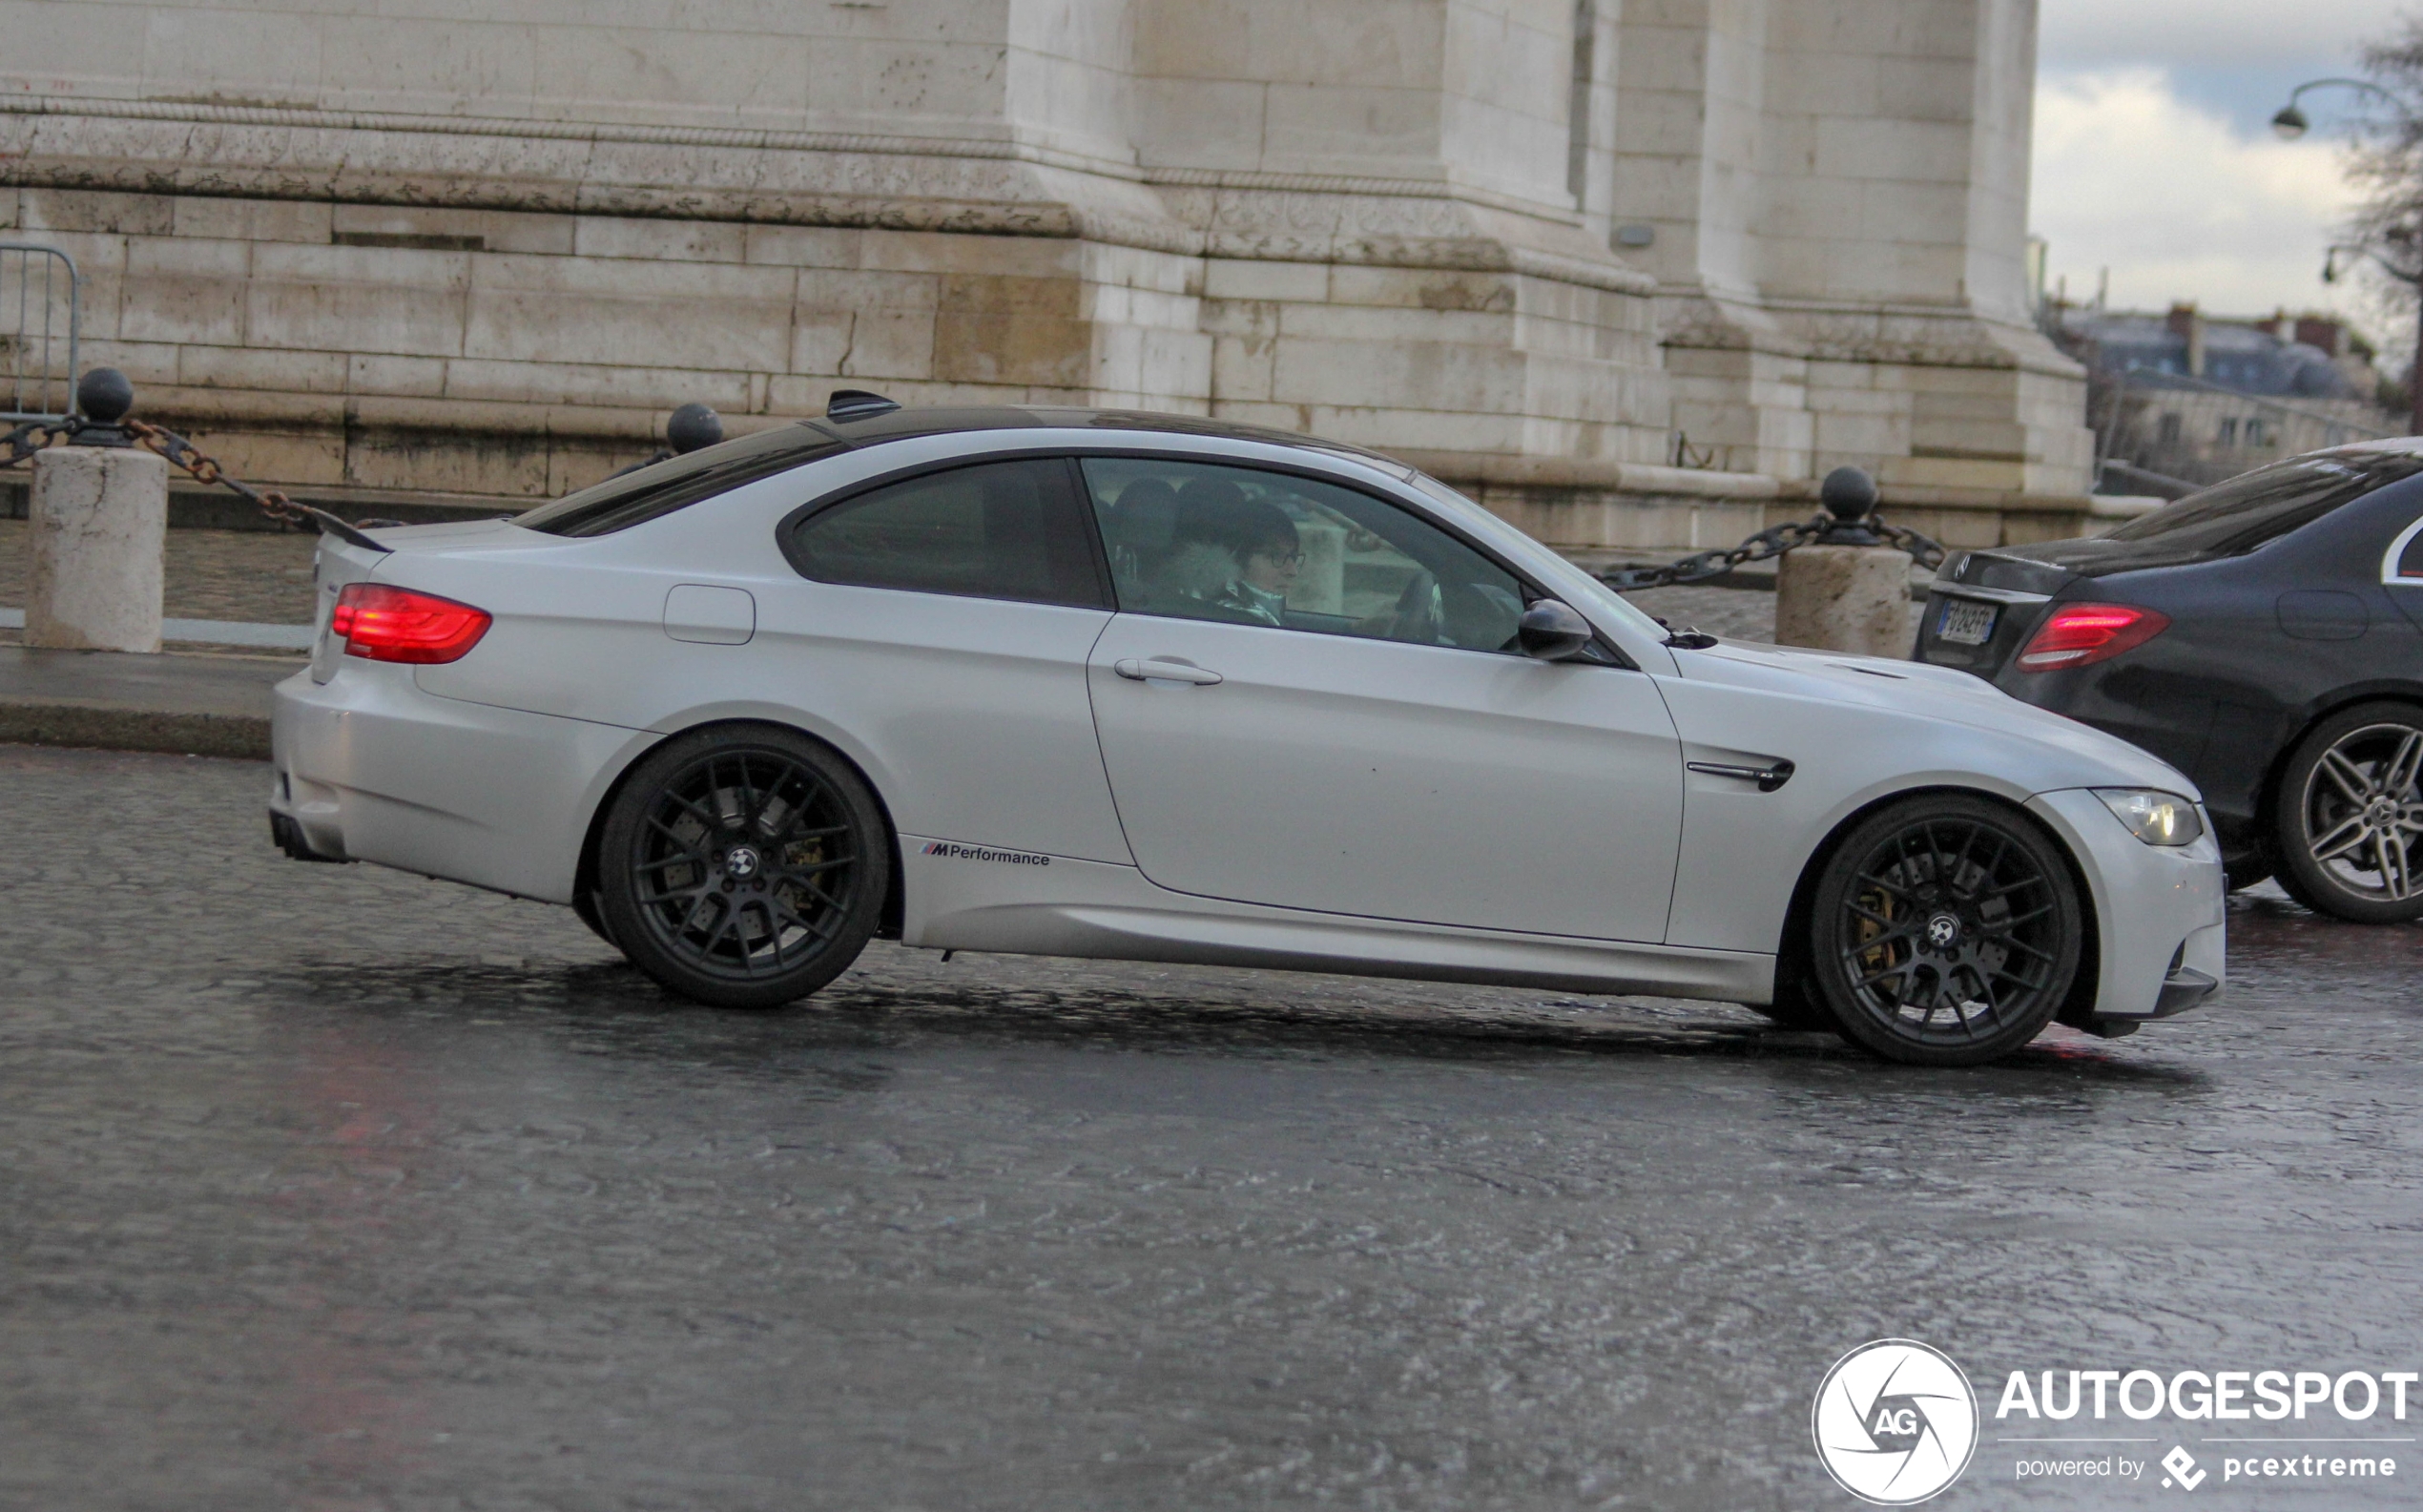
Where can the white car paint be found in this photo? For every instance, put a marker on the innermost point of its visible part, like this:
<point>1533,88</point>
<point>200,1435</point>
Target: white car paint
<point>1330,803</point>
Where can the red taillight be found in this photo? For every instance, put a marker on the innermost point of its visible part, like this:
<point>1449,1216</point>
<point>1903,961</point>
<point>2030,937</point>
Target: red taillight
<point>2079,634</point>
<point>394,624</point>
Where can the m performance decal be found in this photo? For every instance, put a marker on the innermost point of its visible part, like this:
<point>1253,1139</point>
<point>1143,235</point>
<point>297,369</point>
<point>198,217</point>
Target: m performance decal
<point>979,853</point>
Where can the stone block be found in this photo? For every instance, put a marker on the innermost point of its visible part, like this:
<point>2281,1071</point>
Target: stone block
<point>386,299</point>
<point>1349,129</point>
<point>246,367</point>
<point>183,289</point>
<point>614,311</point>
<point>801,246</point>
<point>97,536</point>
<point>1421,289</point>
<point>835,289</point>
<point>305,221</point>
<point>595,383</point>
<point>820,341</point>
<point>996,294</point>
<point>943,252</point>
<point>402,377</point>
<point>1047,350</point>
<point>668,241</point>
<point>503,464</point>
<point>1241,367</point>
<point>1206,123</point>
<point>443,229</point>
<point>893,343</point>
<point>94,211</point>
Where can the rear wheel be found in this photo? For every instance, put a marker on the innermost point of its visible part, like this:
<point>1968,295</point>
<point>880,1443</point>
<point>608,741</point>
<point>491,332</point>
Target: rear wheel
<point>1946,931</point>
<point>2347,821</point>
<point>743,866</point>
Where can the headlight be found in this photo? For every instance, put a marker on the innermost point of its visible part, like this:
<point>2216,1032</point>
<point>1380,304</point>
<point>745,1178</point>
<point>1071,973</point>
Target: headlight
<point>2158,819</point>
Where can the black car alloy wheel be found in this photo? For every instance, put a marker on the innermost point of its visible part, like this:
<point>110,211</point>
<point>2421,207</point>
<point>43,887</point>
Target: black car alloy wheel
<point>743,866</point>
<point>2349,818</point>
<point>1946,931</point>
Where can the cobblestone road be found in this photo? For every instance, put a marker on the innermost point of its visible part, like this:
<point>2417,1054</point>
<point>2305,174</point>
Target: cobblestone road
<point>331,1187</point>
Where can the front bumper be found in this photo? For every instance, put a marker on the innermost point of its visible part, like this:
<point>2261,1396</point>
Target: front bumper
<point>2159,911</point>
<point>369,767</point>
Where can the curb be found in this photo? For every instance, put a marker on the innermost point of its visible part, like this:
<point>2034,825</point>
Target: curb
<point>107,726</point>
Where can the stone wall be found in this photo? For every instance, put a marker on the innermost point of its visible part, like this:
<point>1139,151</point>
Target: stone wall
<point>482,252</point>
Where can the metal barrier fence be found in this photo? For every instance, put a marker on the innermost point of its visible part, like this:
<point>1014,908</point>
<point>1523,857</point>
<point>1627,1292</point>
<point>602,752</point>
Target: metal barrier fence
<point>40,300</point>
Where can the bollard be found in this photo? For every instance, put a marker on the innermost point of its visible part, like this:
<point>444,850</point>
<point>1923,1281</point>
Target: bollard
<point>1848,590</point>
<point>100,530</point>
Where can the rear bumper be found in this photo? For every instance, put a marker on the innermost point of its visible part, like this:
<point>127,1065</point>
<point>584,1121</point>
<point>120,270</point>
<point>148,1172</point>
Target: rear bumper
<point>2159,911</point>
<point>368,767</point>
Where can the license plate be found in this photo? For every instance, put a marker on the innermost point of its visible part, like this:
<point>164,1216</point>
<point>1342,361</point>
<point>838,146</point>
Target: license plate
<point>1967,624</point>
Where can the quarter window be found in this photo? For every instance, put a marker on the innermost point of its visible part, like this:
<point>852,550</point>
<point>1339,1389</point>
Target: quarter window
<point>999,530</point>
<point>1200,541</point>
<point>2411,560</point>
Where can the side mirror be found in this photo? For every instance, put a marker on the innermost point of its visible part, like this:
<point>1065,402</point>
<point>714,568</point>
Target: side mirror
<point>1551,630</point>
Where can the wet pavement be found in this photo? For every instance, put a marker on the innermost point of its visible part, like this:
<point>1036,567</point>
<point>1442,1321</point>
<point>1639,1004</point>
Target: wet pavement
<point>334,1188</point>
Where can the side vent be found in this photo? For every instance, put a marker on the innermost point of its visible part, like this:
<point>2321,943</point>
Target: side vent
<point>857,404</point>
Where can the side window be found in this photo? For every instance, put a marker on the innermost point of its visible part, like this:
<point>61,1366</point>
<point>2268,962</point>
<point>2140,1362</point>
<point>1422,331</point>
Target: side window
<point>1201,541</point>
<point>998,529</point>
<point>2411,560</point>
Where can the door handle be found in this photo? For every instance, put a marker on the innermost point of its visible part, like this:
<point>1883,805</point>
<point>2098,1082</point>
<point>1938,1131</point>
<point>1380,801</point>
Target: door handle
<point>1157,670</point>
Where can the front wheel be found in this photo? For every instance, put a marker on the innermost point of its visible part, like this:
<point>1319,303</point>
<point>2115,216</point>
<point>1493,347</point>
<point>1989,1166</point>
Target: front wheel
<point>743,866</point>
<point>1947,931</point>
<point>2347,821</point>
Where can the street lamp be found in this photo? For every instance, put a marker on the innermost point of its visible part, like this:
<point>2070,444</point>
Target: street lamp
<point>2292,123</point>
<point>2333,271</point>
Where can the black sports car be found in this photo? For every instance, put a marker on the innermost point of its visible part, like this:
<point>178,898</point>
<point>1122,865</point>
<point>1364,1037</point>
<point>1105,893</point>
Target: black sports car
<point>2265,636</point>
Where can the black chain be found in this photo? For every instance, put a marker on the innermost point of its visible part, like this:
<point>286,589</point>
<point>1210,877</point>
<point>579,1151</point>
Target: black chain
<point>204,468</point>
<point>22,443</point>
<point>1767,543</point>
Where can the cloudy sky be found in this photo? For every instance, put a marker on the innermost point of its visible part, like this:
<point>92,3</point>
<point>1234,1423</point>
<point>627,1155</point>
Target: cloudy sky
<point>2154,156</point>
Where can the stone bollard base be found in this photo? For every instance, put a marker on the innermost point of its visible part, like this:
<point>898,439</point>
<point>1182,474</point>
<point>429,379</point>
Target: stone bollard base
<point>1848,598</point>
<point>99,528</point>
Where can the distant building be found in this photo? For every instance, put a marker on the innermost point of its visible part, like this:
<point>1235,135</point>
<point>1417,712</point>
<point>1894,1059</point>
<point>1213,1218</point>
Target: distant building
<point>2200,399</point>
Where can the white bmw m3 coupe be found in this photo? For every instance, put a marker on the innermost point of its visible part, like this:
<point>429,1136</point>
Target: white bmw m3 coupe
<point>1149,688</point>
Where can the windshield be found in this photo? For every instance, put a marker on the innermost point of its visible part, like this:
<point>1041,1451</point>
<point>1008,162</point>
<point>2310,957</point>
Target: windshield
<point>2231,518</point>
<point>660,487</point>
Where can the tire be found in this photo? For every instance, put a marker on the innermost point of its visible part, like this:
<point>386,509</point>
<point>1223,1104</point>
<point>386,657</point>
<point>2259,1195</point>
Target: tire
<point>2347,823</point>
<point>585,906</point>
<point>1796,1007</point>
<point>744,866</point>
<point>1946,930</point>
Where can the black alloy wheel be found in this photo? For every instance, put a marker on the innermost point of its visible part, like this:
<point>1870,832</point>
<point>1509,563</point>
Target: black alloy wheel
<point>743,866</point>
<point>1946,931</point>
<point>2347,821</point>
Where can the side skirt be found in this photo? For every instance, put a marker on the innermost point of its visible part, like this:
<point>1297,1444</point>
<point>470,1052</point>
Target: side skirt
<point>974,898</point>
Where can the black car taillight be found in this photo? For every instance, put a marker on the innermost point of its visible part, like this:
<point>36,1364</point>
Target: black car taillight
<point>2081,635</point>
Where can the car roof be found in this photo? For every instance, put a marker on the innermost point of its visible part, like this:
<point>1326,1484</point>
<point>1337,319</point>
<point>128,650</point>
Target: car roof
<point>909,423</point>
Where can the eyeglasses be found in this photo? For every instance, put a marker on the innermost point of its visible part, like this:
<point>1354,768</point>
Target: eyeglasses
<point>1280,558</point>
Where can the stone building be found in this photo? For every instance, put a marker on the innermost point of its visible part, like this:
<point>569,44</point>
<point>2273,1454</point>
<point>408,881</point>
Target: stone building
<point>1636,271</point>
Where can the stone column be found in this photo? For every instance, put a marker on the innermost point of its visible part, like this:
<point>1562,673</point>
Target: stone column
<point>99,520</point>
<point>1846,598</point>
<point>1849,592</point>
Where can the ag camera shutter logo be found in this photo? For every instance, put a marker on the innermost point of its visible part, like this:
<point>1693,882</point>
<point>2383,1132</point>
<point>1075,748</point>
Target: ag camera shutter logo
<point>1894,1422</point>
